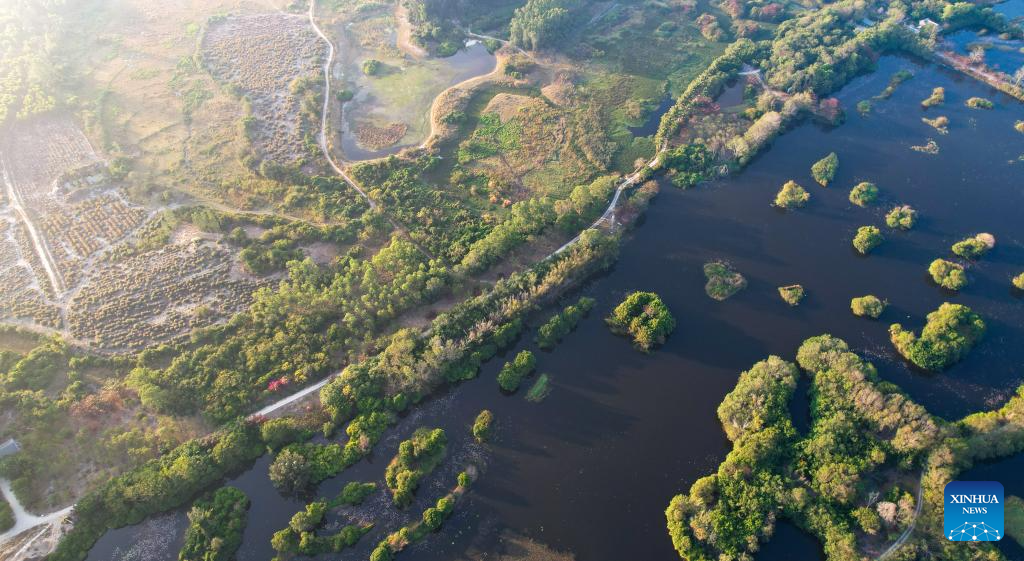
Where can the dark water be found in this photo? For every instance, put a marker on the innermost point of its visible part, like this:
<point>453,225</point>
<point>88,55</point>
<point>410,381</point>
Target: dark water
<point>1012,9</point>
<point>591,469</point>
<point>1009,473</point>
<point>650,126</point>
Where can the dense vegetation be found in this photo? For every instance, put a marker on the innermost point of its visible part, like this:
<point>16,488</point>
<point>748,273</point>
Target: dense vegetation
<point>483,426</point>
<point>867,306</point>
<point>792,294</point>
<point>971,248</point>
<point>301,536</point>
<point>979,103</point>
<point>902,217</point>
<point>948,335</point>
<point>1018,281</point>
<point>948,274</point>
<point>301,465</point>
<point>513,373</point>
<point>6,515</point>
<point>644,317</point>
<point>723,281</point>
<point>353,494</point>
<point>792,195</point>
<point>824,170</point>
<point>563,323</point>
<point>542,23</point>
<point>215,526</point>
<point>864,194</point>
<point>430,521</point>
<point>938,97</point>
<point>867,239</point>
<point>416,458</point>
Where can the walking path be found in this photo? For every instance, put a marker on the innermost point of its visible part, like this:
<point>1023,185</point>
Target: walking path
<point>24,520</point>
<point>913,522</point>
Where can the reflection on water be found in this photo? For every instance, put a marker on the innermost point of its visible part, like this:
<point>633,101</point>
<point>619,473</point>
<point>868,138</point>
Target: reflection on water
<point>590,470</point>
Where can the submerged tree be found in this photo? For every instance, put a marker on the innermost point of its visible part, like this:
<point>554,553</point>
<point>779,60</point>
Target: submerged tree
<point>864,194</point>
<point>791,196</point>
<point>867,306</point>
<point>948,274</point>
<point>867,239</point>
<point>824,170</point>
<point>902,217</point>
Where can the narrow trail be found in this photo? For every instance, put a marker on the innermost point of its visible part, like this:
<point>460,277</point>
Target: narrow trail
<point>24,520</point>
<point>910,529</point>
<point>45,258</point>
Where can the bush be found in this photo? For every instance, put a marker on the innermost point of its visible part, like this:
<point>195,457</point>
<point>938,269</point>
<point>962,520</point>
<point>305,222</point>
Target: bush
<point>979,103</point>
<point>482,426</point>
<point>792,294</point>
<point>864,194</point>
<point>902,217</point>
<point>540,389</point>
<point>563,323</point>
<point>792,195</point>
<point>937,98</point>
<point>371,67</point>
<point>824,170</point>
<point>867,239</point>
<point>971,248</point>
<point>6,515</point>
<point>948,274</point>
<point>416,457</point>
<point>215,526</point>
<point>948,335</point>
<point>643,316</point>
<point>354,493</point>
<point>513,373</point>
<point>723,281</point>
<point>870,306</point>
<point>1018,281</point>
<point>299,466</point>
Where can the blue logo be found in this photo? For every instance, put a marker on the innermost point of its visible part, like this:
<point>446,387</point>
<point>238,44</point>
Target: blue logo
<point>974,511</point>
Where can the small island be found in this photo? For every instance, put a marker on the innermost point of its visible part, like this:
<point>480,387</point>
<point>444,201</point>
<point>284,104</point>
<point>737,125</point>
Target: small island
<point>864,194</point>
<point>867,306</point>
<point>723,281</point>
<point>902,217</point>
<point>644,317</point>
<point>937,98</point>
<point>948,335</point>
<point>979,103</point>
<point>792,196</point>
<point>792,294</point>
<point>867,239</point>
<point>416,457</point>
<point>513,373</point>
<point>974,247</point>
<point>824,170</point>
<point>482,426</point>
<point>1018,281</point>
<point>948,274</point>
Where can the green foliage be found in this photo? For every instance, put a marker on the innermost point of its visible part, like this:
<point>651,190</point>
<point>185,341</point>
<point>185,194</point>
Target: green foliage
<point>371,67</point>
<point>353,494</point>
<point>938,97</point>
<point>276,433</point>
<point>864,107</point>
<point>644,317</point>
<point>513,373</point>
<point>867,239</point>
<point>215,526</point>
<point>948,274</point>
<point>948,335</point>
<point>864,194</point>
<point>760,398</point>
<point>867,306</point>
<point>540,389</point>
<point>298,466</point>
<point>689,164</point>
<point>898,78</point>
<point>482,426</point>
<point>903,217</point>
<point>868,520</point>
<point>490,138</point>
<point>1018,281</point>
<point>792,294</point>
<point>979,103</point>
<point>416,458</point>
<point>301,536</point>
<point>6,515</point>
<point>971,248</point>
<point>541,23</point>
<point>563,323</point>
<point>791,196</point>
<point>723,281</point>
<point>824,170</point>
<point>1015,518</point>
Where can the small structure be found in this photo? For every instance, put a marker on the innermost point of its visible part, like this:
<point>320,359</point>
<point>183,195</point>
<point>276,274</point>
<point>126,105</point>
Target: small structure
<point>926,22</point>
<point>8,448</point>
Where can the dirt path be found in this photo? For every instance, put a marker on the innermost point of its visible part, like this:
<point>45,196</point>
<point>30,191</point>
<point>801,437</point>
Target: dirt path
<point>38,243</point>
<point>23,520</point>
<point>913,522</point>
<point>405,42</point>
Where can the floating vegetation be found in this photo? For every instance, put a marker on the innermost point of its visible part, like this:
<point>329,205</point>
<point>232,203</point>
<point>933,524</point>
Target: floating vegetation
<point>948,274</point>
<point>723,281</point>
<point>902,217</point>
<point>930,147</point>
<point>938,97</point>
<point>940,123</point>
<point>1019,126</point>
<point>867,239</point>
<point>979,103</point>
<point>864,107</point>
<point>791,196</point>
<point>1018,281</point>
<point>563,323</point>
<point>792,294</point>
<point>513,373</point>
<point>824,170</point>
<point>482,426</point>
<point>867,306</point>
<point>540,389</point>
<point>864,194</point>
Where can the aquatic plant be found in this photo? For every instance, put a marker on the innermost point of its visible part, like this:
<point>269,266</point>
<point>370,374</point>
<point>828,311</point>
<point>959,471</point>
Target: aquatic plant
<point>979,103</point>
<point>949,333</point>
<point>1018,281</point>
<point>1019,126</point>
<point>824,170</point>
<point>561,324</point>
<point>482,426</point>
<point>902,217</point>
<point>723,281</point>
<point>948,274</point>
<point>354,493</point>
<point>792,294</point>
<point>974,247</point>
<point>540,389</point>
<point>513,373</point>
<point>792,196</point>
<point>863,194</point>
<point>937,98</point>
<point>930,147</point>
<point>867,239</point>
<point>867,306</point>
<point>643,316</point>
<point>864,107</point>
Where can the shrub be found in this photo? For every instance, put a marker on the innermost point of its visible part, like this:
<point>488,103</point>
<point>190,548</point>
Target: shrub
<point>371,67</point>
<point>979,103</point>
<point>563,323</point>
<point>482,426</point>
<point>870,306</point>
<point>973,248</point>
<point>1019,126</point>
<point>513,373</point>
<point>792,294</point>
<point>643,316</point>
<point>416,457</point>
<point>864,194</point>
<point>867,239</point>
<point>948,274</point>
<point>864,107</point>
<point>948,335</point>
<point>902,217</point>
<point>540,389</point>
<point>824,170</point>
<point>792,196</point>
<point>937,98</point>
<point>1018,281</point>
<point>723,281</point>
<point>940,123</point>
<point>215,526</point>
<point>354,493</point>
